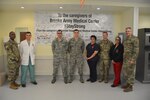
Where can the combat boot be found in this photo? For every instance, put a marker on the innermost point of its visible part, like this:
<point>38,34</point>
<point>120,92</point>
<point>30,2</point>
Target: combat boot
<point>125,86</point>
<point>128,89</point>
<point>16,84</point>
<point>65,80</point>
<point>81,79</point>
<point>53,80</point>
<point>106,81</point>
<point>105,78</point>
<point>70,79</point>
<point>101,80</point>
<point>13,86</point>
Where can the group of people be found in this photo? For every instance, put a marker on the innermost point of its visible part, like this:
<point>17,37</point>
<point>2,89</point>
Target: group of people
<point>23,56</point>
<point>72,51</point>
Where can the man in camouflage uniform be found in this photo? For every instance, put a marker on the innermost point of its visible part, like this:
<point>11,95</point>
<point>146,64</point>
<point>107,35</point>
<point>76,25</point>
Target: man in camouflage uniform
<point>105,46</point>
<point>76,49</point>
<point>13,60</point>
<point>59,48</point>
<point>131,50</point>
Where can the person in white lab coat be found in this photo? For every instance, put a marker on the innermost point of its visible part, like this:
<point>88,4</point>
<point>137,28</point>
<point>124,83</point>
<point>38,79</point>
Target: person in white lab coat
<point>27,52</point>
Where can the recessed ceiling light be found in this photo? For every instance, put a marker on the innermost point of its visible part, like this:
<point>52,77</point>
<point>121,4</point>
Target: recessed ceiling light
<point>98,8</point>
<point>22,7</point>
<point>60,7</point>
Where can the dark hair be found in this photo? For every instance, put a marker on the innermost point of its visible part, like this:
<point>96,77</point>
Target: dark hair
<point>76,30</point>
<point>93,36</point>
<point>119,39</point>
<point>28,33</point>
<point>59,31</point>
<point>11,32</point>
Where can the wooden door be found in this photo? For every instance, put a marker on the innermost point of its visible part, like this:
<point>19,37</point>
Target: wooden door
<point>22,36</point>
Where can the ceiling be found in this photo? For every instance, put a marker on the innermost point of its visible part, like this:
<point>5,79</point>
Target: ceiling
<point>66,7</point>
<point>67,1</point>
<point>74,5</point>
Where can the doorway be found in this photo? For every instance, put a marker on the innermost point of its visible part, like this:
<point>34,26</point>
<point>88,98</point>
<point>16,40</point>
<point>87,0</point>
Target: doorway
<point>20,33</point>
<point>22,36</point>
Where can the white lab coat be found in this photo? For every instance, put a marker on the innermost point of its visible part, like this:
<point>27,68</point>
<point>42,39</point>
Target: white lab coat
<point>26,51</point>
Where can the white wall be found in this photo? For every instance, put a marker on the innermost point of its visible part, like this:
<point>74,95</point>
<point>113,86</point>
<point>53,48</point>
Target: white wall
<point>144,20</point>
<point>44,58</point>
<point>127,19</point>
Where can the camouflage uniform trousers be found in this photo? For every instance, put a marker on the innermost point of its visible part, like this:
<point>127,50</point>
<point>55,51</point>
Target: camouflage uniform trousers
<point>13,71</point>
<point>104,69</point>
<point>129,72</point>
<point>57,62</point>
<point>76,62</point>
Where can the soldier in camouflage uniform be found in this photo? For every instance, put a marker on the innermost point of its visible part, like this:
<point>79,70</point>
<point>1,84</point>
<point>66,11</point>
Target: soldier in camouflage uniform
<point>76,49</point>
<point>59,48</point>
<point>131,50</point>
<point>105,46</point>
<point>13,60</point>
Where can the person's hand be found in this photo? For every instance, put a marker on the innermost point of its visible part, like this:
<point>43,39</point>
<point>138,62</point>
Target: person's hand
<point>85,57</point>
<point>88,58</point>
<point>113,61</point>
<point>132,62</point>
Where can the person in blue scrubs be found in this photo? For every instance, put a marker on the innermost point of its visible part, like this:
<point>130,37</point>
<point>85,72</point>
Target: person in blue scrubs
<point>92,58</point>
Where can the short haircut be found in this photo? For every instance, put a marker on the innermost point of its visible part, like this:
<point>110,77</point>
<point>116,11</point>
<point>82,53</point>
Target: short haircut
<point>93,36</point>
<point>11,32</point>
<point>128,28</point>
<point>76,30</point>
<point>105,32</point>
<point>59,31</point>
<point>28,33</point>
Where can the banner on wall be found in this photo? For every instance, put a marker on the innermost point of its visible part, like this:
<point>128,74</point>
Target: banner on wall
<point>47,24</point>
